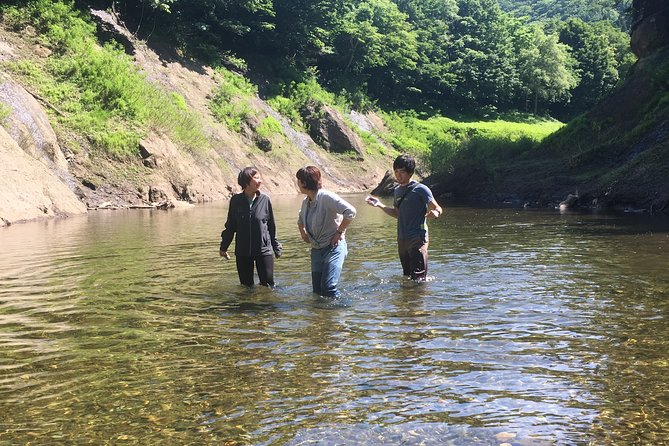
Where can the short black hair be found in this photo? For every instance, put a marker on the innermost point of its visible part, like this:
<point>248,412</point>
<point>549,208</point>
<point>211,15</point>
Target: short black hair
<point>244,177</point>
<point>311,177</point>
<point>405,162</point>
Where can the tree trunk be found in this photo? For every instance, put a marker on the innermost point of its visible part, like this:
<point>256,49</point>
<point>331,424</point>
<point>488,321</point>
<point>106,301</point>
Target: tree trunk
<point>354,46</point>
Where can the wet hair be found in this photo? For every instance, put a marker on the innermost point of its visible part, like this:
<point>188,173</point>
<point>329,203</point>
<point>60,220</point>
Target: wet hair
<point>244,177</point>
<point>405,162</point>
<point>310,176</point>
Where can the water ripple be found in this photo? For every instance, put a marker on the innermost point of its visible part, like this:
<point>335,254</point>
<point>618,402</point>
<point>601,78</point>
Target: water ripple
<point>534,329</point>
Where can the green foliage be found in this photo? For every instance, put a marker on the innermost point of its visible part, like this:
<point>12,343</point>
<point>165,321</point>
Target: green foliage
<point>285,107</point>
<point>475,163</point>
<point>102,93</point>
<point>376,34</point>
<point>58,24</point>
<point>613,11</point>
<point>547,68</point>
<point>295,96</point>
<point>442,142</point>
<point>450,57</point>
<point>407,133</point>
<point>5,111</point>
<point>601,59</point>
<point>268,127</point>
<point>230,100</point>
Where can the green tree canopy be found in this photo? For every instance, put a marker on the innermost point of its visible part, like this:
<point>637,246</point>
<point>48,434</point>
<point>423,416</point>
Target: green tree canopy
<point>547,69</point>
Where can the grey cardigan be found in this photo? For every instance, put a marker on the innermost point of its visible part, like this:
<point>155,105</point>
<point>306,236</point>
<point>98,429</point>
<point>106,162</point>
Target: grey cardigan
<point>322,217</point>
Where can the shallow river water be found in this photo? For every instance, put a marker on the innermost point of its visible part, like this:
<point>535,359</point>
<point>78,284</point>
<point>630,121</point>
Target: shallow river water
<point>536,328</point>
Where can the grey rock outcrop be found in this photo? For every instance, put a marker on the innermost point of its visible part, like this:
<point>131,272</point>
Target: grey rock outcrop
<point>386,186</point>
<point>650,30</point>
<point>329,130</point>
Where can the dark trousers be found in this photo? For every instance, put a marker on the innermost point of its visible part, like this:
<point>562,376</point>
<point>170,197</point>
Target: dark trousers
<point>263,264</point>
<point>413,256</point>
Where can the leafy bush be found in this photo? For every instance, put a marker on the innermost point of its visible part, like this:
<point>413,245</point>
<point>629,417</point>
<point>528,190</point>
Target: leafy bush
<point>268,127</point>
<point>285,107</point>
<point>229,102</point>
<point>58,24</point>
<point>295,95</point>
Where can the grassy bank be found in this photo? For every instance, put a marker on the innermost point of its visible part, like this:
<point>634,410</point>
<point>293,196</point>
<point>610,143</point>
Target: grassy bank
<point>446,146</point>
<point>97,90</point>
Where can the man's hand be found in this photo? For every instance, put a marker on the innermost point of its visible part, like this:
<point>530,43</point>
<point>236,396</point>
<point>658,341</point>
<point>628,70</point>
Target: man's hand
<point>224,254</point>
<point>434,213</point>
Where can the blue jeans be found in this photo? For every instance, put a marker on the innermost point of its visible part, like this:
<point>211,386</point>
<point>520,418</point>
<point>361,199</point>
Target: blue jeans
<point>326,266</point>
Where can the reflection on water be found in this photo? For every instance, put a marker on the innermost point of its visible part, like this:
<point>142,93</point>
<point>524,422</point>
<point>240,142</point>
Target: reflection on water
<point>536,328</point>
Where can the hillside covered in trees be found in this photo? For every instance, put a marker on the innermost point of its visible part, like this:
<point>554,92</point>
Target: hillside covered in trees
<point>615,155</point>
<point>448,57</point>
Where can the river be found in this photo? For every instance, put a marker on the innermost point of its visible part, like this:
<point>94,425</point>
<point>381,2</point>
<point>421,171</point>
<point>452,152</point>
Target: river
<point>536,328</point>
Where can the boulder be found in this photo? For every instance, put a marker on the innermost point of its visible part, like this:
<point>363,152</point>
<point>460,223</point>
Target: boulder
<point>329,130</point>
<point>387,185</point>
<point>568,203</point>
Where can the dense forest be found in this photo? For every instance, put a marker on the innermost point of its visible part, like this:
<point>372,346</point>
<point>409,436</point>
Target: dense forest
<point>466,58</point>
<point>618,12</point>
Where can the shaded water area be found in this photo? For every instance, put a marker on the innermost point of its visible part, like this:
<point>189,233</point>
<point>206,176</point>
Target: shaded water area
<point>537,328</point>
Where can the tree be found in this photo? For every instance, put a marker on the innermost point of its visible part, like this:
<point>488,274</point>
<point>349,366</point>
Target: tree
<point>546,68</point>
<point>430,84</point>
<point>596,63</point>
<point>613,11</point>
<point>375,33</point>
<point>306,29</point>
<point>200,28</point>
<point>482,56</point>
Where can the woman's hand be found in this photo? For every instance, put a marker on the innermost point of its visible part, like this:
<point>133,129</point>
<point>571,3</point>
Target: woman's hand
<point>334,241</point>
<point>224,254</point>
<point>303,234</point>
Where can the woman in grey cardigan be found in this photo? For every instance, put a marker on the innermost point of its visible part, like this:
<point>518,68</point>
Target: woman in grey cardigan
<point>323,219</point>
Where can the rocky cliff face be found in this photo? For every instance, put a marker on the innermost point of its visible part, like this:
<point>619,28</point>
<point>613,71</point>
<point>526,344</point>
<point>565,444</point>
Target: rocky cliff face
<point>30,188</point>
<point>626,137</point>
<point>34,176</point>
<point>650,29</point>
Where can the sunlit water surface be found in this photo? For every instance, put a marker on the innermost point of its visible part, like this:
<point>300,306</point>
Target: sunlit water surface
<point>537,328</point>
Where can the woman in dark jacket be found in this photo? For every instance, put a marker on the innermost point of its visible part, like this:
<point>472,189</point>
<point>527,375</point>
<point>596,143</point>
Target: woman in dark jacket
<point>250,217</point>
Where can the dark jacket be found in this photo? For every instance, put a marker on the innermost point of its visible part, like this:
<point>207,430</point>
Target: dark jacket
<point>254,227</point>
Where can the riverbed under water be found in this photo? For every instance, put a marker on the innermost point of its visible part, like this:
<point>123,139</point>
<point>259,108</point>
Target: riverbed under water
<point>536,328</point>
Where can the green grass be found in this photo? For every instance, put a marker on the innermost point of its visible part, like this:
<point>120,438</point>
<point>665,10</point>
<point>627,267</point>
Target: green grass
<point>438,141</point>
<point>268,127</point>
<point>99,91</point>
<point>5,111</point>
<point>230,102</point>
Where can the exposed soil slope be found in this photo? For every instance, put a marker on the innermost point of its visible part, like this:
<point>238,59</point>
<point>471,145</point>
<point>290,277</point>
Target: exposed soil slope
<point>170,175</point>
